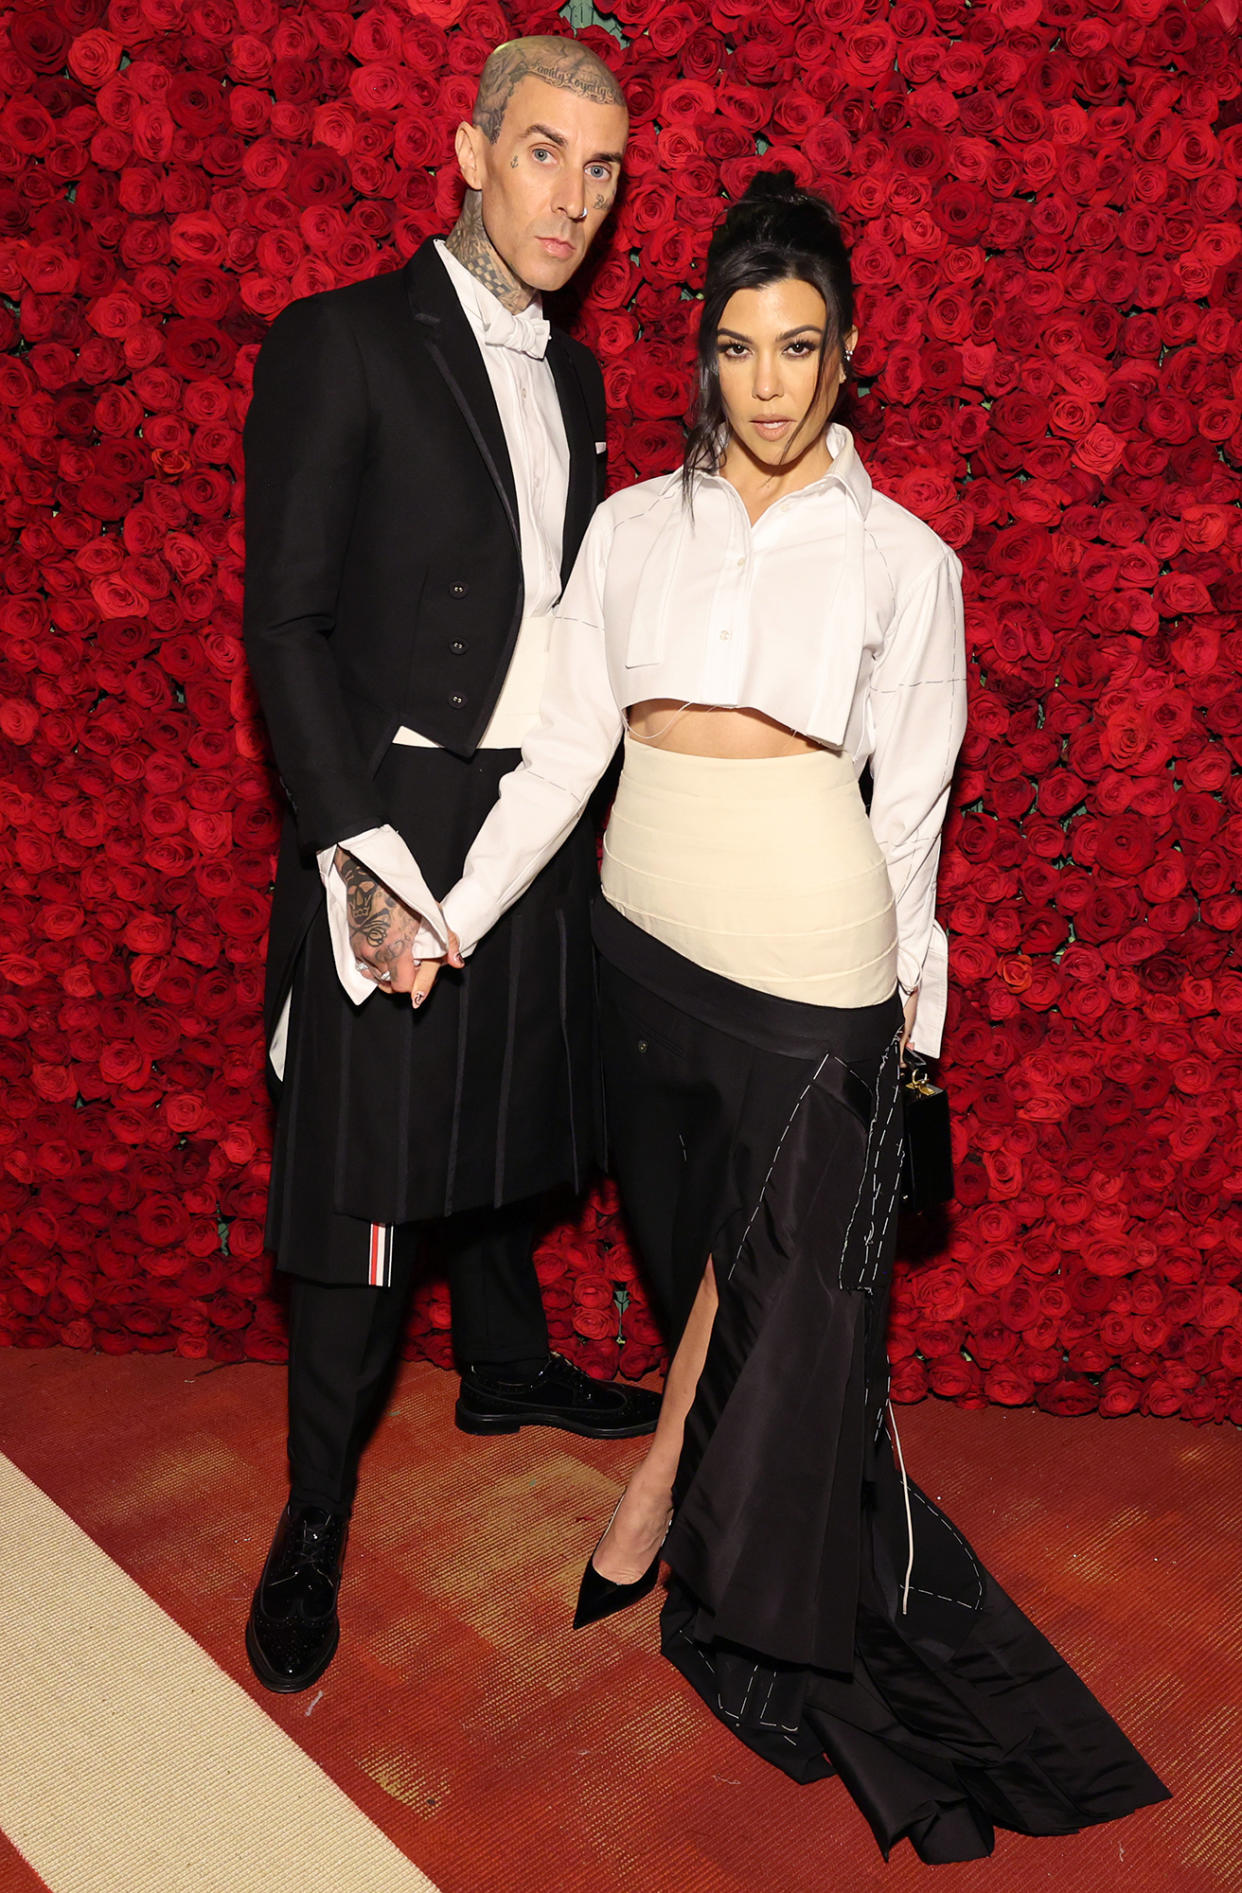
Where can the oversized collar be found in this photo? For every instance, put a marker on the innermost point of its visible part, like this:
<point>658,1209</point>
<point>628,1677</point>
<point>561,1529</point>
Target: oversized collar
<point>847,471</point>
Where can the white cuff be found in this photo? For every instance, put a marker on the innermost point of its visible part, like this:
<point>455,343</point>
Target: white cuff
<point>933,991</point>
<point>383,852</point>
<point>469,913</point>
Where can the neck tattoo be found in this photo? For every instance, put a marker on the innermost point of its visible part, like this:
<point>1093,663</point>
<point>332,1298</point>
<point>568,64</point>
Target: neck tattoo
<point>469,242</point>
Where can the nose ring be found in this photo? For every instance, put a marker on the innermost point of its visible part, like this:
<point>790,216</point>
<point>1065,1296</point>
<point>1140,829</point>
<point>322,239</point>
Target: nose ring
<point>580,218</point>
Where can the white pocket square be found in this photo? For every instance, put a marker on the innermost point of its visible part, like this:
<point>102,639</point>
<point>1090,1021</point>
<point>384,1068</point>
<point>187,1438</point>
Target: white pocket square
<point>601,446</point>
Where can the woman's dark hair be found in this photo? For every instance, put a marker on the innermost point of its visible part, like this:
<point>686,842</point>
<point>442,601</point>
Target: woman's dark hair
<point>773,232</point>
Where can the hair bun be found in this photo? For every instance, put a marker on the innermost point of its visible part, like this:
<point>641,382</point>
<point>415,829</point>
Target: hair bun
<point>772,187</point>
<point>774,208</point>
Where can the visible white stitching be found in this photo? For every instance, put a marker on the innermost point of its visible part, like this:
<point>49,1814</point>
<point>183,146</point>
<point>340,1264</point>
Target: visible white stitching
<point>735,1715</point>
<point>862,1182</point>
<point>879,1247</point>
<point>940,1596</point>
<point>974,1562</point>
<point>775,1156</point>
<point>871,1247</point>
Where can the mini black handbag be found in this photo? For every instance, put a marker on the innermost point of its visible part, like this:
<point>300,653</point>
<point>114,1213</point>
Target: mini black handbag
<point>927,1150</point>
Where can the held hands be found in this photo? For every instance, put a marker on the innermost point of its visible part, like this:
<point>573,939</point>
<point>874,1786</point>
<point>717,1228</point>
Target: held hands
<point>382,932</point>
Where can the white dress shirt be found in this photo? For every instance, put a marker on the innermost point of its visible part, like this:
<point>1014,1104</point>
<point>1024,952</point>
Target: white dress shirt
<point>515,357</point>
<point>838,614</point>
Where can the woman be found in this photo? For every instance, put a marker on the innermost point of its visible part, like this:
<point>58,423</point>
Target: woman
<point>760,626</point>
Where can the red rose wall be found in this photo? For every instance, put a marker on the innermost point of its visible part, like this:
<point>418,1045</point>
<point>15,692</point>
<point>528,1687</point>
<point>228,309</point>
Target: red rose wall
<point>1043,201</point>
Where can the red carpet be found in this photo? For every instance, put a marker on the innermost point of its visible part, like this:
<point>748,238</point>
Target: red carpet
<point>504,1755</point>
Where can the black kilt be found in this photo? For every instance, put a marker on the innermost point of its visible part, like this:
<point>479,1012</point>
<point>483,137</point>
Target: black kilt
<point>487,1095</point>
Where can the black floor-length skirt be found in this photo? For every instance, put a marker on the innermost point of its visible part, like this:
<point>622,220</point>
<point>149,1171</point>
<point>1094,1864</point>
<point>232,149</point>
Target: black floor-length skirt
<point>766,1135</point>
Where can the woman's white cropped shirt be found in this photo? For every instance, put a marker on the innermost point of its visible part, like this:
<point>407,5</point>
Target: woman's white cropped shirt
<point>838,614</point>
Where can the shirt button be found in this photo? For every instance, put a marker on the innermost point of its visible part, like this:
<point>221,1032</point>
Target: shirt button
<point>458,589</point>
<point>457,646</point>
<point>457,700</point>
<point>741,565</point>
<point>725,636</point>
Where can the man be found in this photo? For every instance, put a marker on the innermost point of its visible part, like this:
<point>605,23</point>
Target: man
<point>422,460</point>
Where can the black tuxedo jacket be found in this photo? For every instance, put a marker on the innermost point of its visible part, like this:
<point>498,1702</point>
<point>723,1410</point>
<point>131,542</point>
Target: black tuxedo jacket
<point>383,567</point>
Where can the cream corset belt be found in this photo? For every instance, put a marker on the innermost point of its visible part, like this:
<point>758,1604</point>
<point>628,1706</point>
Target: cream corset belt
<point>517,707</point>
<point>764,870</point>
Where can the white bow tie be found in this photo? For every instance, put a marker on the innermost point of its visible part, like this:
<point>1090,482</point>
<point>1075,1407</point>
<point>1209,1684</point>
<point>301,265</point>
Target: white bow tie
<point>527,332</point>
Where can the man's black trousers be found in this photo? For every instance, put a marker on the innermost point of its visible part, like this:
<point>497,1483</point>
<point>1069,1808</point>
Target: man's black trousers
<point>344,1340</point>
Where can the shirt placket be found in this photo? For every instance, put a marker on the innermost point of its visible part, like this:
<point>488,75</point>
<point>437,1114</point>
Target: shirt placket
<point>541,468</point>
<point>728,630</point>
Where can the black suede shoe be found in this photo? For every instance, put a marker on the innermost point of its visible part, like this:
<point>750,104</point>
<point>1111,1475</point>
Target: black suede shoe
<point>293,1631</point>
<point>560,1394</point>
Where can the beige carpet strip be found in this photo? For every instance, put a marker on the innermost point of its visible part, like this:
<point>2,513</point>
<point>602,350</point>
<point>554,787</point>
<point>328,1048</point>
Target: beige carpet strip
<point>130,1763</point>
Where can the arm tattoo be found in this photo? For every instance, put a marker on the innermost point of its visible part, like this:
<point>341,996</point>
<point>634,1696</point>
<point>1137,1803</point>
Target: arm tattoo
<point>559,62</point>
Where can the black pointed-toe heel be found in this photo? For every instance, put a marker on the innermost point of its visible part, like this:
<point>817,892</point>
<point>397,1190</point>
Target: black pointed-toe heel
<point>600,1597</point>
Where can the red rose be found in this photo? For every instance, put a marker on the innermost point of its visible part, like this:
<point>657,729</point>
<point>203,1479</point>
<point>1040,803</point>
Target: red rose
<point>1008,1385</point>
<point>1119,1394</point>
<point>194,348</point>
<point>908,1381</point>
<point>954,1379</point>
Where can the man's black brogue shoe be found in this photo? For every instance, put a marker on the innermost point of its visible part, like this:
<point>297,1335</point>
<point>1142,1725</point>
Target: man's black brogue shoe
<point>293,1629</point>
<point>561,1395</point>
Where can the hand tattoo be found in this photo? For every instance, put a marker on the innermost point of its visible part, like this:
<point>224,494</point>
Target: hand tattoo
<point>381,927</point>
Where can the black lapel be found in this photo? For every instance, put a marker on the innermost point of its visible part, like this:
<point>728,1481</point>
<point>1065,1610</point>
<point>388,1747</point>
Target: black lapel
<point>450,342</point>
<point>583,495</point>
